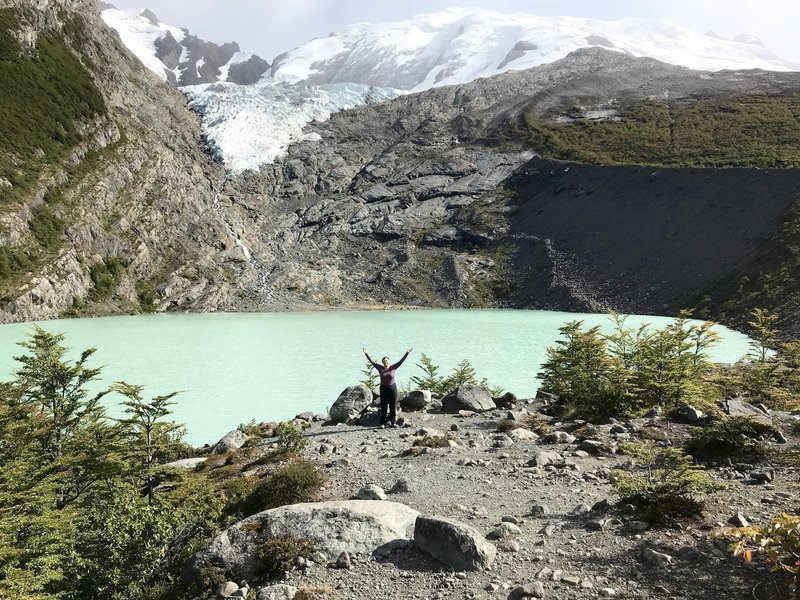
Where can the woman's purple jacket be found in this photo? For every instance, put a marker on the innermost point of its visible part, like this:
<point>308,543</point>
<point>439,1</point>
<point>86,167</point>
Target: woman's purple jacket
<point>387,373</point>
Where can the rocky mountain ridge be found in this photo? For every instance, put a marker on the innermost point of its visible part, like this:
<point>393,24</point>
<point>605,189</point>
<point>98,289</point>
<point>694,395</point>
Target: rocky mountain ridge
<point>179,57</point>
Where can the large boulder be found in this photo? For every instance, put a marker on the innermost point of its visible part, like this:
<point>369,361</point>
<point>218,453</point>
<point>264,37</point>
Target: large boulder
<point>232,441</point>
<point>453,543</point>
<point>350,403</point>
<point>353,526</point>
<point>416,400</point>
<point>468,397</point>
<point>737,407</point>
<point>185,463</point>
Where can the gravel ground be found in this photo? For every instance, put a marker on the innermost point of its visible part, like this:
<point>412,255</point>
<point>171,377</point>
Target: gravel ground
<point>579,556</point>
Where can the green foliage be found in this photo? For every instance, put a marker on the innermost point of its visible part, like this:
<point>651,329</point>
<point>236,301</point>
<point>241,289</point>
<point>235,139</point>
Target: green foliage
<point>370,376</point>
<point>666,486</point>
<point>623,373</point>
<point>293,483</point>
<point>45,98</point>
<point>124,547</point>
<point>106,276</point>
<point>734,436</point>
<point>73,520</point>
<point>276,556</point>
<point>463,372</point>
<point>778,543</point>
<point>432,441</point>
<point>743,131</point>
<point>290,439</point>
<point>47,229</point>
<point>251,429</point>
<point>149,438</point>
<point>771,372</point>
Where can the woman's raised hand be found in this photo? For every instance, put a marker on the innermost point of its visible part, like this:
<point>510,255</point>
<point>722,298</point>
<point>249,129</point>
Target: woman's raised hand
<point>409,350</point>
<point>364,350</point>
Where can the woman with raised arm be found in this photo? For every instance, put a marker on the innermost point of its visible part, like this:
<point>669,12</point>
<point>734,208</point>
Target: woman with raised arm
<point>388,387</point>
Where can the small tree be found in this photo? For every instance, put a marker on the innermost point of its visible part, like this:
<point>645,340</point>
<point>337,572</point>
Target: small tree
<point>370,376</point>
<point>57,390</point>
<point>763,335</point>
<point>150,436</point>
<point>430,378</point>
<point>290,439</point>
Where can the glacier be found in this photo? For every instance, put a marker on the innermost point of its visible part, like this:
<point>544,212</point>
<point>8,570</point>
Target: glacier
<point>253,125</point>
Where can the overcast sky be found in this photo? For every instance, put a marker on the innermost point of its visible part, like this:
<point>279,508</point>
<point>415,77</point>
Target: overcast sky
<point>269,27</point>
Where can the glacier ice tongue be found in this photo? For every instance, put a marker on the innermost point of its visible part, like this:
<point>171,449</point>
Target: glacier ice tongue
<point>253,125</point>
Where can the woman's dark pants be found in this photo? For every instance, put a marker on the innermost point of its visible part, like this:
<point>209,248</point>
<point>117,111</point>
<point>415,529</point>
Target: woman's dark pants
<point>388,401</point>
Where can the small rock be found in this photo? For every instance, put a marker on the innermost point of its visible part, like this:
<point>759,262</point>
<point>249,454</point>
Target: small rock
<point>534,589</point>
<point>509,519</point>
<point>656,559</point>
<point>226,589</point>
<point>579,510</point>
<point>402,486</point>
<point>508,545</point>
<point>762,475</point>
<point>608,592</point>
<point>343,562</point>
<point>371,492</point>
<point>539,510</point>
<point>739,520</point>
<point>571,579</point>
<point>690,413</point>
<point>592,446</point>
<point>319,558</point>
<point>504,530</point>
<point>276,592</point>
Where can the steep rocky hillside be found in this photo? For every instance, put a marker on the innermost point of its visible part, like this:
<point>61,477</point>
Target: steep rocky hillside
<point>106,193</point>
<point>433,198</point>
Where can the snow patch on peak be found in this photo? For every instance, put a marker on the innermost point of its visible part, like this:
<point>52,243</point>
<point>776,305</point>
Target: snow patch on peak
<point>139,30</point>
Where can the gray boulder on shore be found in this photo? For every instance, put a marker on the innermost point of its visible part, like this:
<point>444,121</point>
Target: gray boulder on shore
<point>416,400</point>
<point>468,397</point>
<point>232,441</point>
<point>351,403</point>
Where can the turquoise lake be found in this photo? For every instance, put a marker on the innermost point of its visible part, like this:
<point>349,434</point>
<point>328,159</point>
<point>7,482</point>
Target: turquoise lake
<point>234,368</point>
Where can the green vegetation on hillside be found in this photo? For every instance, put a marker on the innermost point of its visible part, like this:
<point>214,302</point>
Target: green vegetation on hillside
<point>46,94</point>
<point>744,131</point>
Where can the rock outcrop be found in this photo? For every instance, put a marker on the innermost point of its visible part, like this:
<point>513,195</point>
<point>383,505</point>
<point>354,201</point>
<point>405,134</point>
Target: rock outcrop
<point>355,526</point>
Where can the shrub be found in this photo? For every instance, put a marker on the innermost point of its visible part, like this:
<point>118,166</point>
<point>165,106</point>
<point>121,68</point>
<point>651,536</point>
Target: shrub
<point>293,483</point>
<point>779,542</point>
<point>736,436</point>
<point>290,440</point>
<point>276,556</point>
<point>432,441</point>
<point>667,485</point>
<point>313,592</point>
<point>234,493</point>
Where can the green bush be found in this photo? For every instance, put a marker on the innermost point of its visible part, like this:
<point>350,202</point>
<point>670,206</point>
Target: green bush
<point>106,276</point>
<point>667,485</point>
<point>290,439</point>
<point>735,437</point>
<point>276,556</point>
<point>296,482</point>
<point>623,373</point>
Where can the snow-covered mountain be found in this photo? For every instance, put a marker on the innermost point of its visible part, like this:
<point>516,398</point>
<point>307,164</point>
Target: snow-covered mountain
<point>179,57</point>
<point>253,123</point>
<point>459,45</point>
